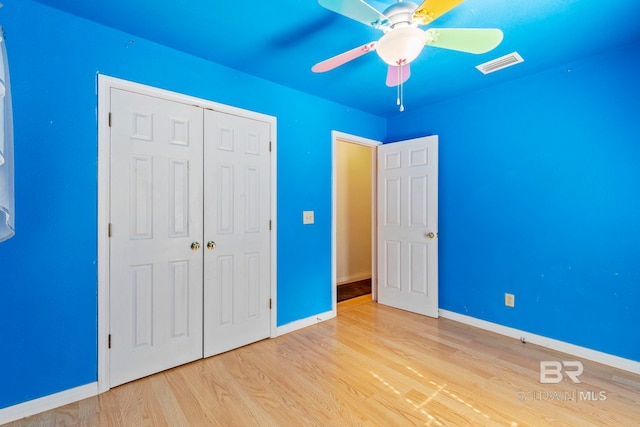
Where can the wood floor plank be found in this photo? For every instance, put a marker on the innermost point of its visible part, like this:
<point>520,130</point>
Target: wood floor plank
<point>371,366</point>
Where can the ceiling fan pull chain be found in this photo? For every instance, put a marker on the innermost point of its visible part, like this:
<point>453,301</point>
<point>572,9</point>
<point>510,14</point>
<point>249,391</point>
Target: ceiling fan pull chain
<point>400,101</point>
<point>398,87</point>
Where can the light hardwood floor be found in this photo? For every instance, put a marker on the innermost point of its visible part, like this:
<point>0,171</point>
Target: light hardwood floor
<point>372,365</point>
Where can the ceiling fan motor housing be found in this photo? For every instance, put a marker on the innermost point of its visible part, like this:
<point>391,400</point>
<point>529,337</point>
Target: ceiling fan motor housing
<point>400,14</point>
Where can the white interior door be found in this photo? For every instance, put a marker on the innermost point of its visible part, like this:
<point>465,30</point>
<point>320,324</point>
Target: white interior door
<point>237,232</point>
<point>156,213</point>
<point>408,225</point>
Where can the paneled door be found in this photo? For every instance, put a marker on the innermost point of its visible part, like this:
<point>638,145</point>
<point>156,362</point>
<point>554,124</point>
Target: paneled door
<point>156,219</point>
<point>408,225</point>
<point>237,231</point>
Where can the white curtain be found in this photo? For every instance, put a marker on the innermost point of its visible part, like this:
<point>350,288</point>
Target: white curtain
<point>6,148</point>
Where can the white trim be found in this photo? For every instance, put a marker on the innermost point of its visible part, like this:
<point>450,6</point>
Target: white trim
<point>105,84</point>
<point>353,278</point>
<point>114,82</point>
<point>335,136</point>
<point>274,227</point>
<point>36,406</point>
<point>303,323</point>
<point>564,347</point>
<point>104,180</point>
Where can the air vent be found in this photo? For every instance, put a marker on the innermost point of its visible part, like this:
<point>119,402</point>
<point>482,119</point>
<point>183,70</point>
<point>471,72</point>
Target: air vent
<point>500,63</point>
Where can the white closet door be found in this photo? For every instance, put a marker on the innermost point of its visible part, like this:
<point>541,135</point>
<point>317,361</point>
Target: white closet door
<point>237,236</point>
<point>408,225</point>
<point>156,215</point>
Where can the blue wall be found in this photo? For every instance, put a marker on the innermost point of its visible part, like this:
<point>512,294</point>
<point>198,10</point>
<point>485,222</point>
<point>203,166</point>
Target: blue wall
<point>540,197</point>
<point>48,285</point>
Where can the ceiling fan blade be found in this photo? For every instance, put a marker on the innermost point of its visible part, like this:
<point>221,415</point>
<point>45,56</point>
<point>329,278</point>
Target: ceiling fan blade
<point>470,40</point>
<point>357,10</point>
<point>343,58</point>
<point>430,10</point>
<point>398,75</point>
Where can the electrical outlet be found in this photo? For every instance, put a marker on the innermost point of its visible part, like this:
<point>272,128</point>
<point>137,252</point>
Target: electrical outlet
<point>509,300</point>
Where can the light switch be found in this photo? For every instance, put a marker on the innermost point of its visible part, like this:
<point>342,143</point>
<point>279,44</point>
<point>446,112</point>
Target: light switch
<point>307,217</point>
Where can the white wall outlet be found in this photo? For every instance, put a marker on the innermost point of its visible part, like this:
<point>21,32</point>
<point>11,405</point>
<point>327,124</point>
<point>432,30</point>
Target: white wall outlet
<point>509,300</point>
<point>307,217</point>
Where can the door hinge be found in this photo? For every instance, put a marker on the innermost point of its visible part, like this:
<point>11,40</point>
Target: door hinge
<point>269,224</point>
<point>109,342</point>
<point>109,230</point>
<point>270,303</point>
<point>109,119</point>
<point>269,146</point>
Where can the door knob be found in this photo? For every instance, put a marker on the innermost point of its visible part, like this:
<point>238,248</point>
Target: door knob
<point>430,235</point>
<point>211,245</point>
<point>195,246</point>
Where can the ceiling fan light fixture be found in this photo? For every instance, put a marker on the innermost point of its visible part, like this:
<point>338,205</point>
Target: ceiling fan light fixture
<point>401,45</point>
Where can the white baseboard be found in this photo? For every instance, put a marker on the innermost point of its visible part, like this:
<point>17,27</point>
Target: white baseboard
<point>353,278</point>
<point>303,323</point>
<point>572,349</point>
<point>32,407</point>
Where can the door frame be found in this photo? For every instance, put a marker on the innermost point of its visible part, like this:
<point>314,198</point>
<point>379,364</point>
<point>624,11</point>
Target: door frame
<point>104,85</point>
<point>353,139</point>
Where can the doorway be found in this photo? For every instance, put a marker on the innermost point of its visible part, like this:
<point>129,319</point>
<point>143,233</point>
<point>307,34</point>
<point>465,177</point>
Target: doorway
<point>354,213</point>
<point>404,218</point>
<point>353,219</point>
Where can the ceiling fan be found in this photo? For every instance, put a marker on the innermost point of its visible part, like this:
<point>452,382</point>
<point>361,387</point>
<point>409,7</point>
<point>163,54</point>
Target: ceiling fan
<point>402,40</point>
